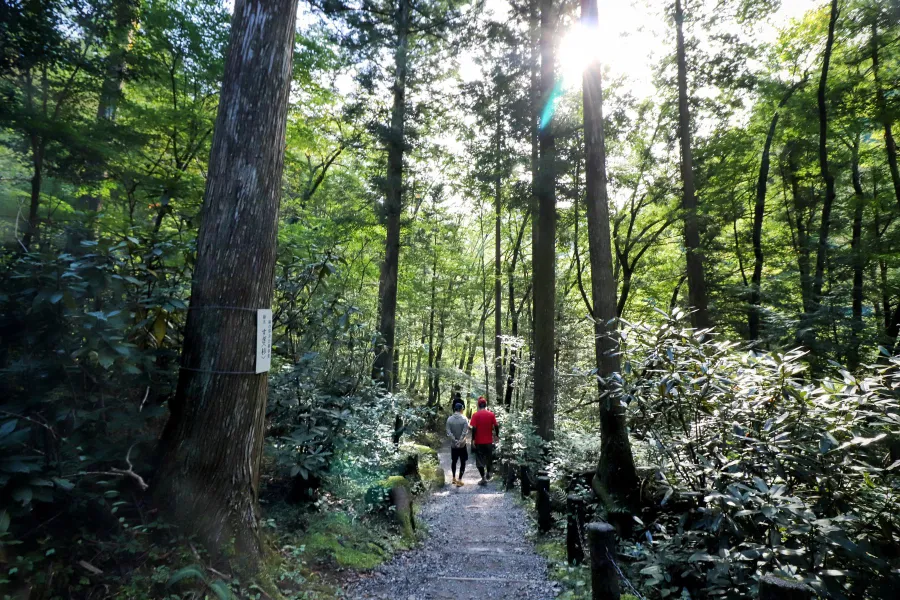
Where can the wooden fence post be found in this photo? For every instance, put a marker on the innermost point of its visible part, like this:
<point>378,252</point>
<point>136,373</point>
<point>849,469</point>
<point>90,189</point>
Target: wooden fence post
<point>604,577</point>
<point>574,523</point>
<point>526,480</point>
<point>544,510</point>
<point>509,480</point>
<point>775,588</point>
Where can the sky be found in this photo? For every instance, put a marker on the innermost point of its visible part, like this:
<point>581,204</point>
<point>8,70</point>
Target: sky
<point>633,36</point>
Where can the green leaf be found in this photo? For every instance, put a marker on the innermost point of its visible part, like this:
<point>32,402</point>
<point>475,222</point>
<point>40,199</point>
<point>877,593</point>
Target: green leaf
<point>23,495</point>
<point>221,590</point>
<point>185,573</point>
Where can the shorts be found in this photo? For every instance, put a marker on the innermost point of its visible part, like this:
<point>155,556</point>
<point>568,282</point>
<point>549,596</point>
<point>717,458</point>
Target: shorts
<point>459,454</point>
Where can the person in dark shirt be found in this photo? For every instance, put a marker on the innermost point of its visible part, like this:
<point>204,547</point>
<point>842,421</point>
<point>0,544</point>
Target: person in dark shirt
<point>484,425</point>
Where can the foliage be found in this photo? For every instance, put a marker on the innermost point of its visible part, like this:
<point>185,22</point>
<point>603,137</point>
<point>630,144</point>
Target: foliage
<point>764,469</point>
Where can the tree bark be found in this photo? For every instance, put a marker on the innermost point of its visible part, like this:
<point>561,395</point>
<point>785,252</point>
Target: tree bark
<point>616,472</point>
<point>393,205</point>
<point>544,251</point>
<point>695,275</point>
<point>210,451</point>
<point>890,146</point>
<point>827,176</point>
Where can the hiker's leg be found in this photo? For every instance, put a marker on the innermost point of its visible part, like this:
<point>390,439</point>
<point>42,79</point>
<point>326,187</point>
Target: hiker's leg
<point>479,459</point>
<point>489,454</point>
<point>463,456</point>
<point>454,456</point>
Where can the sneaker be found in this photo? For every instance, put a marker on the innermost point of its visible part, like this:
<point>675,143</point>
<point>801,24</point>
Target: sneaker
<point>483,481</point>
<point>489,477</point>
<point>454,481</point>
<point>459,483</point>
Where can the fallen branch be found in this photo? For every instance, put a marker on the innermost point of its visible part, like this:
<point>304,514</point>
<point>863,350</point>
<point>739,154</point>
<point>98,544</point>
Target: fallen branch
<point>129,472</point>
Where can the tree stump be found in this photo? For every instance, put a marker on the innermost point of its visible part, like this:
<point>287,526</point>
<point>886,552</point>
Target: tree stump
<point>775,588</point>
<point>604,577</point>
<point>574,523</point>
<point>544,510</point>
<point>401,502</point>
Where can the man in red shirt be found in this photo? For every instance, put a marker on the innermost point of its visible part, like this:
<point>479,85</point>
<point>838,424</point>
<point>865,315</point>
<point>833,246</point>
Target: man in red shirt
<point>484,425</point>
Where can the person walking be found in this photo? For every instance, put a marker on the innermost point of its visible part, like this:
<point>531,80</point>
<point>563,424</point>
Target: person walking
<point>484,425</point>
<point>457,431</point>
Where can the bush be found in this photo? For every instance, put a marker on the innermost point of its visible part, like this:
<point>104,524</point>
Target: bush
<point>772,470</point>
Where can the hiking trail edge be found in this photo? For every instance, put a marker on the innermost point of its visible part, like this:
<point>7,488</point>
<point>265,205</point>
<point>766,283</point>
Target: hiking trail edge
<point>475,549</point>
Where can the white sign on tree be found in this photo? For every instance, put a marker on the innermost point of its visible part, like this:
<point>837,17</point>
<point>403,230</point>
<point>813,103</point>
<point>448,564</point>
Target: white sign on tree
<point>263,340</point>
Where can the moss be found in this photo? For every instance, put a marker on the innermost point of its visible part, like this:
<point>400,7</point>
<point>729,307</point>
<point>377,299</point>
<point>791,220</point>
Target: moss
<point>346,543</point>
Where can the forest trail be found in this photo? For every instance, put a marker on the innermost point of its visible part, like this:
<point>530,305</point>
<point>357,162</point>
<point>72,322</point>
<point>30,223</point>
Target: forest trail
<point>475,548</point>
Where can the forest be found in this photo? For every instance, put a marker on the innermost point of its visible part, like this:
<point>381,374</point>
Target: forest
<point>250,252</point>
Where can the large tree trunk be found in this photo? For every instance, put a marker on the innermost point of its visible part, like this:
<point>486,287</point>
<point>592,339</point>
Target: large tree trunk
<point>393,206</point>
<point>616,473</point>
<point>827,176</point>
<point>696,277</point>
<point>544,251</point>
<point>498,259</point>
<point>210,451</point>
<point>856,319</point>
<point>890,146</point>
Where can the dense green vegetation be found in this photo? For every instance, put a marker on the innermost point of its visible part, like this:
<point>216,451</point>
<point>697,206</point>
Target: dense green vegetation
<point>694,291</point>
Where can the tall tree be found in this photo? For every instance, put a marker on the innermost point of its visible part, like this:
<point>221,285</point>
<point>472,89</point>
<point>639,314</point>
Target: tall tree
<point>544,249</point>
<point>210,451</point>
<point>616,473</point>
<point>696,277</point>
<point>827,175</point>
<point>383,366</point>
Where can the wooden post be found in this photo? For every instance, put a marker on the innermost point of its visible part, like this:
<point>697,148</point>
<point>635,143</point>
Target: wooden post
<point>509,480</point>
<point>775,588</point>
<point>574,521</point>
<point>544,511</point>
<point>604,577</point>
<point>526,480</point>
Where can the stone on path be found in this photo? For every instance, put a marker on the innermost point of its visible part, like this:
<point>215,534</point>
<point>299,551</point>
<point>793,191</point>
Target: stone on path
<point>476,548</point>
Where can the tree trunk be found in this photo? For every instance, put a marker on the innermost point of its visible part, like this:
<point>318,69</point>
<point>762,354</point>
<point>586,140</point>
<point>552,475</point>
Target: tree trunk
<point>210,451</point>
<point>758,215</point>
<point>431,351</point>
<point>498,281</point>
<point>514,320</point>
<point>695,275</point>
<point>393,206</point>
<point>544,251</point>
<point>616,472</point>
<point>890,145</point>
<point>825,221</point>
<point>37,180</point>
<point>801,207</point>
<point>856,319</point>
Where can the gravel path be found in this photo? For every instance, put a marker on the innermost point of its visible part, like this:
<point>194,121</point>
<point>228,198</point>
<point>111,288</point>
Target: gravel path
<point>475,549</point>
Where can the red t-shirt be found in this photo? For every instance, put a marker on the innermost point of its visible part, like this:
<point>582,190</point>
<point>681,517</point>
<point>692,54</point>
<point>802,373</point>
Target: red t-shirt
<point>484,422</point>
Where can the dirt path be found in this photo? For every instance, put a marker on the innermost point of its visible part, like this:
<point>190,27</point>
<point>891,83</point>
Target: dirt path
<point>475,549</point>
